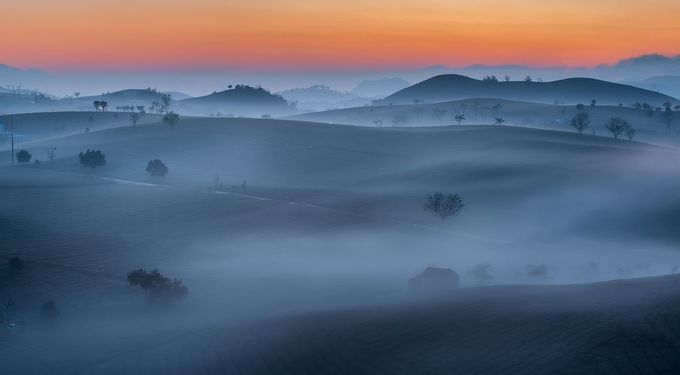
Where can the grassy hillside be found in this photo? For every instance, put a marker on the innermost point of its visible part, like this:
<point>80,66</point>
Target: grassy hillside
<point>651,126</point>
<point>449,87</point>
<point>331,218</point>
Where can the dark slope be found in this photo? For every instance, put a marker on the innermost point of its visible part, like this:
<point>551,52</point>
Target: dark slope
<point>568,91</point>
<point>241,100</point>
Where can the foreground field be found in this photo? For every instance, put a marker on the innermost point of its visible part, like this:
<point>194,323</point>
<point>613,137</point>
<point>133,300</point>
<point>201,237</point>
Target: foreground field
<point>330,219</point>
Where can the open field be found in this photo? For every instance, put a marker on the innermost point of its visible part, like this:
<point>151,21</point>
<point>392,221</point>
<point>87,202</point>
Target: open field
<point>320,241</point>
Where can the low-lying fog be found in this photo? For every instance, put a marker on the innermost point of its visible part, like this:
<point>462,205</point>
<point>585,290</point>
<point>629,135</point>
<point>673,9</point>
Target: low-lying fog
<point>345,229</point>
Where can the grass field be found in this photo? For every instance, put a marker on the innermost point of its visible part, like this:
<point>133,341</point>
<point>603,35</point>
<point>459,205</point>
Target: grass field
<point>304,269</point>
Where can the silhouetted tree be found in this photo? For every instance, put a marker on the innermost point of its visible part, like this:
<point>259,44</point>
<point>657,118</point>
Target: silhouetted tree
<point>581,122</point>
<point>171,119</point>
<point>157,287</point>
<point>460,118</point>
<point>166,99</point>
<point>92,158</point>
<point>580,106</point>
<point>490,78</point>
<point>443,205</point>
<point>97,105</point>
<point>156,168</point>
<point>499,120</point>
<point>593,102</point>
<point>104,105</point>
<point>630,133</point>
<point>134,118</point>
<point>378,122</point>
<point>507,78</point>
<point>23,156</point>
<point>616,126</point>
<point>668,115</point>
<point>528,79</point>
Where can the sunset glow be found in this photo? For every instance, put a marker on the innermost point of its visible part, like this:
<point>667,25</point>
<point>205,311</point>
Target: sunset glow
<point>330,35</point>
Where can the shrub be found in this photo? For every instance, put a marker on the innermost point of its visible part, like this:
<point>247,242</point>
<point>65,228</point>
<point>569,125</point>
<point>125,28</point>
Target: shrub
<point>15,264</point>
<point>23,156</point>
<point>156,168</point>
<point>171,118</point>
<point>444,205</point>
<point>92,158</point>
<point>157,287</point>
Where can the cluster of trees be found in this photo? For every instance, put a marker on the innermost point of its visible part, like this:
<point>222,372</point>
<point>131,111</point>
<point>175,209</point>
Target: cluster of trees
<point>131,108</point>
<point>171,119</point>
<point>156,287</point>
<point>101,105</point>
<point>92,158</point>
<point>615,125</point>
<point>163,106</point>
<point>156,168</point>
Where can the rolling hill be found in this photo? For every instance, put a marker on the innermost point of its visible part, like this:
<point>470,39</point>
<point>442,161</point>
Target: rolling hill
<point>449,87</point>
<point>240,100</point>
<point>303,266</point>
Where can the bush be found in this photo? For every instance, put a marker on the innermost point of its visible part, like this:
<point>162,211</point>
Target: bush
<point>157,287</point>
<point>171,119</point>
<point>24,156</point>
<point>156,168</point>
<point>15,264</point>
<point>49,310</point>
<point>444,205</point>
<point>92,158</point>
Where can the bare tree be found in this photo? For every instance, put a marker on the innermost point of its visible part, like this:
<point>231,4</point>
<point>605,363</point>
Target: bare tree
<point>460,118</point>
<point>444,205</point>
<point>616,126</point>
<point>378,122</point>
<point>581,122</point>
<point>166,99</point>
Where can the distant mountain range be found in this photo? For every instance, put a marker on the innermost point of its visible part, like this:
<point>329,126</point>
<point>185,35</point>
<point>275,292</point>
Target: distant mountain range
<point>450,87</point>
<point>669,84</point>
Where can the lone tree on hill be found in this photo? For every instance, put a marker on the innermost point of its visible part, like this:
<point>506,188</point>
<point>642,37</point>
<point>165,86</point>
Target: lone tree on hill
<point>23,156</point>
<point>630,133</point>
<point>92,158</point>
<point>134,118</point>
<point>581,122</point>
<point>444,205</point>
<point>460,118</point>
<point>171,119</point>
<point>156,168</point>
<point>499,121</point>
<point>166,99</point>
<point>157,287</point>
<point>616,126</point>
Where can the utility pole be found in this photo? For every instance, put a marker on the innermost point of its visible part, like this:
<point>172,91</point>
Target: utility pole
<point>12,154</point>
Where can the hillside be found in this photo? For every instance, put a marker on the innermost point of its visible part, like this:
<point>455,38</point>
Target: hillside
<point>314,232</point>
<point>567,91</point>
<point>240,100</point>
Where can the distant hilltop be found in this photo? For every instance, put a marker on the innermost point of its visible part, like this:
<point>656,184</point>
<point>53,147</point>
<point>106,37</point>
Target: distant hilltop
<point>448,87</point>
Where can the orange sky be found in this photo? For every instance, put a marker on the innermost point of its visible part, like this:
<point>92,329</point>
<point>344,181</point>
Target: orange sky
<point>331,34</point>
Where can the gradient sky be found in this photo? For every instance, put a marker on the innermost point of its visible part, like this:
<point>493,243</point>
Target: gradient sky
<point>279,35</point>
